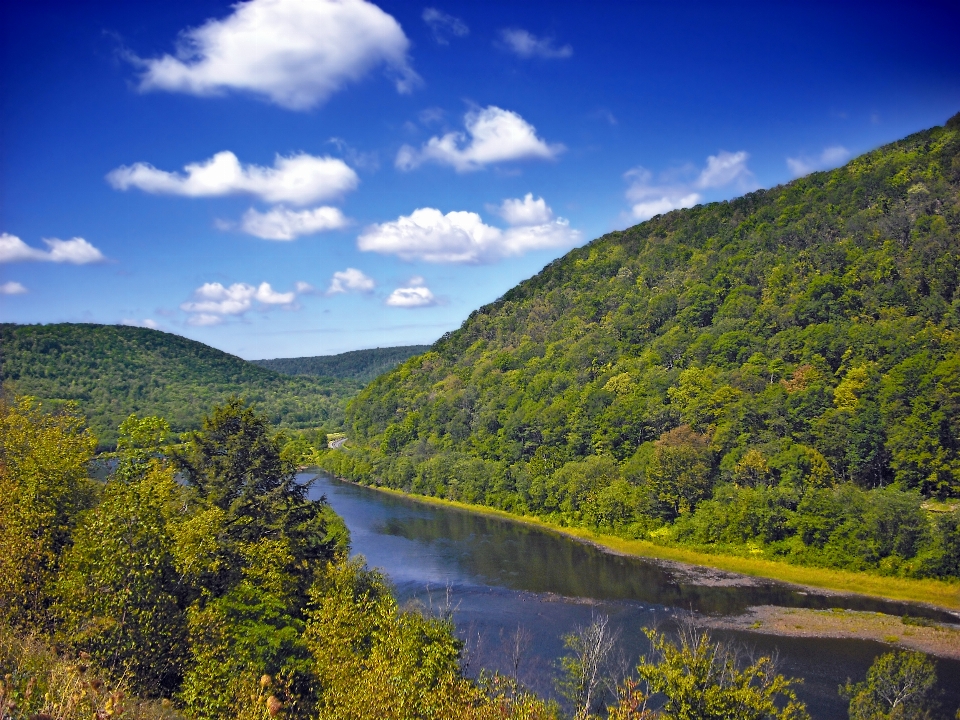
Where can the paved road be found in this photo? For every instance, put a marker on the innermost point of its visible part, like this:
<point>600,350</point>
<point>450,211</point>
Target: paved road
<point>334,444</point>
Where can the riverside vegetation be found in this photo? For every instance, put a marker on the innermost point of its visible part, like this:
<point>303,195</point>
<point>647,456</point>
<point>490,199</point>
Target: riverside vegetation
<point>225,593</point>
<point>775,377</point>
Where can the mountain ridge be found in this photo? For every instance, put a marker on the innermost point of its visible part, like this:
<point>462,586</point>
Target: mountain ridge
<point>361,365</point>
<point>112,371</point>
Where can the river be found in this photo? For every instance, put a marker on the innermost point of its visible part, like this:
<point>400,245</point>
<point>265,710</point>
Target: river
<point>498,576</point>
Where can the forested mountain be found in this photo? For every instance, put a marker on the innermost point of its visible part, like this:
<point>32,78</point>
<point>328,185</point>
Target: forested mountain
<point>361,365</point>
<point>778,374</point>
<point>113,371</point>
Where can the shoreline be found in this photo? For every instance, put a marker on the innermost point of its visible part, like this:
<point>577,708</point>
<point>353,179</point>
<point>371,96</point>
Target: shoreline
<point>932,638</point>
<point>729,570</point>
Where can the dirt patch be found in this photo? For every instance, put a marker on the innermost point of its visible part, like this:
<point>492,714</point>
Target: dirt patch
<point>934,638</point>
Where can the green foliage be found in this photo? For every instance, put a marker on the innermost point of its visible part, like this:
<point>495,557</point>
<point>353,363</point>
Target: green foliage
<point>797,347</point>
<point>699,679</point>
<point>112,371</point>
<point>360,365</point>
<point>236,465</point>
<point>43,487</point>
<point>120,595</point>
<point>230,593</point>
<point>374,660</point>
<point>899,686</point>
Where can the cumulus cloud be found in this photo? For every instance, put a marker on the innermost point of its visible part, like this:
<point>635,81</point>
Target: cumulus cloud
<point>415,296</point>
<point>12,288</point>
<point>350,280</point>
<point>214,302</point>
<point>462,237</point>
<point>299,179</point>
<point>444,26</point>
<point>280,223</point>
<point>526,45</point>
<point>723,169</point>
<point>831,157</point>
<point>75,251</point>
<point>294,53</point>
<point>492,135</point>
<point>652,197</point>
<point>526,211</point>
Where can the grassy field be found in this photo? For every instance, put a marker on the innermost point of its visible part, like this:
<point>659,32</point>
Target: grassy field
<point>934,592</point>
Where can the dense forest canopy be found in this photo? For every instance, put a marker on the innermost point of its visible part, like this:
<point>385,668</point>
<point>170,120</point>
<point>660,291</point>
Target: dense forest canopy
<point>199,581</point>
<point>113,371</point>
<point>361,365</point>
<point>778,374</point>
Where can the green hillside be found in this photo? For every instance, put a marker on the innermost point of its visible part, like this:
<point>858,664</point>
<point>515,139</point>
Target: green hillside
<point>777,376</point>
<point>361,365</point>
<point>112,371</point>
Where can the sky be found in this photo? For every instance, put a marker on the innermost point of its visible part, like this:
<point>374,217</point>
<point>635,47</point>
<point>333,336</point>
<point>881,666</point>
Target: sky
<point>282,178</point>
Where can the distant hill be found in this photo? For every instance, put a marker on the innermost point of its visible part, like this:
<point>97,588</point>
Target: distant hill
<point>112,371</point>
<point>362,365</point>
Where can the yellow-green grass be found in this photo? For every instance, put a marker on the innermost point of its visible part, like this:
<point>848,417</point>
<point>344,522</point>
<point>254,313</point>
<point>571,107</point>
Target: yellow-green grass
<point>934,592</point>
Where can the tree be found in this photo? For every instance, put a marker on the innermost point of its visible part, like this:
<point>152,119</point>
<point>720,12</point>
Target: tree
<point>251,546</point>
<point>373,660</point>
<point>586,666</point>
<point>680,473</point>
<point>140,441</point>
<point>236,465</point>
<point>700,679</point>
<point>43,486</point>
<point>120,597</point>
<point>899,686</point>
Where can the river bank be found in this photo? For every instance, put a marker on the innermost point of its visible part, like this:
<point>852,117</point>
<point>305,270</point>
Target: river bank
<point>730,570</point>
<point>928,637</point>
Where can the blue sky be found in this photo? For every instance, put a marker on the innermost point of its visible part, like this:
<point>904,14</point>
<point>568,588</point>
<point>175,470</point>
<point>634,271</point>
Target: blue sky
<point>300,177</point>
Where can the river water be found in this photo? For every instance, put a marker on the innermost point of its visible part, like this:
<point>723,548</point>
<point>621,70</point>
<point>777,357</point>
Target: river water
<point>498,576</point>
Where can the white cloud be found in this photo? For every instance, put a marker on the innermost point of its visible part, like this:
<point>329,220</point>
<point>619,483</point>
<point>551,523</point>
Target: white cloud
<point>527,45</point>
<point>723,169</point>
<point>526,211</point>
<point>279,223</point>
<point>417,295</point>
<point>298,179</point>
<point>294,53</point>
<point>351,279</point>
<point>462,237</point>
<point>444,26</point>
<point>831,157</point>
<point>12,287</point>
<point>495,135</point>
<point>304,288</point>
<point>146,323</point>
<point>652,198</point>
<point>213,302</point>
<point>75,251</point>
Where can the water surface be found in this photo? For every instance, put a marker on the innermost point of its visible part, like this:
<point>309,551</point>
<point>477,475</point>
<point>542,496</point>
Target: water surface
<point>499,575</point>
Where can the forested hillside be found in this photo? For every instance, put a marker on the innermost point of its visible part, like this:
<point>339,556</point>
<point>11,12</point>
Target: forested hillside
<point>360,365</point>
<point>776,375</point>
<point>113,371</point>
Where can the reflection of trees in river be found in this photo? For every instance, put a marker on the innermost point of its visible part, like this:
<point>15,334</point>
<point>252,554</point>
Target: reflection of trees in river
<point>523,557</point>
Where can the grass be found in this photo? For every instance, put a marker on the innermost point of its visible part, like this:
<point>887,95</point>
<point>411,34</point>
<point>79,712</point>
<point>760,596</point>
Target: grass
<point>941,593</point>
